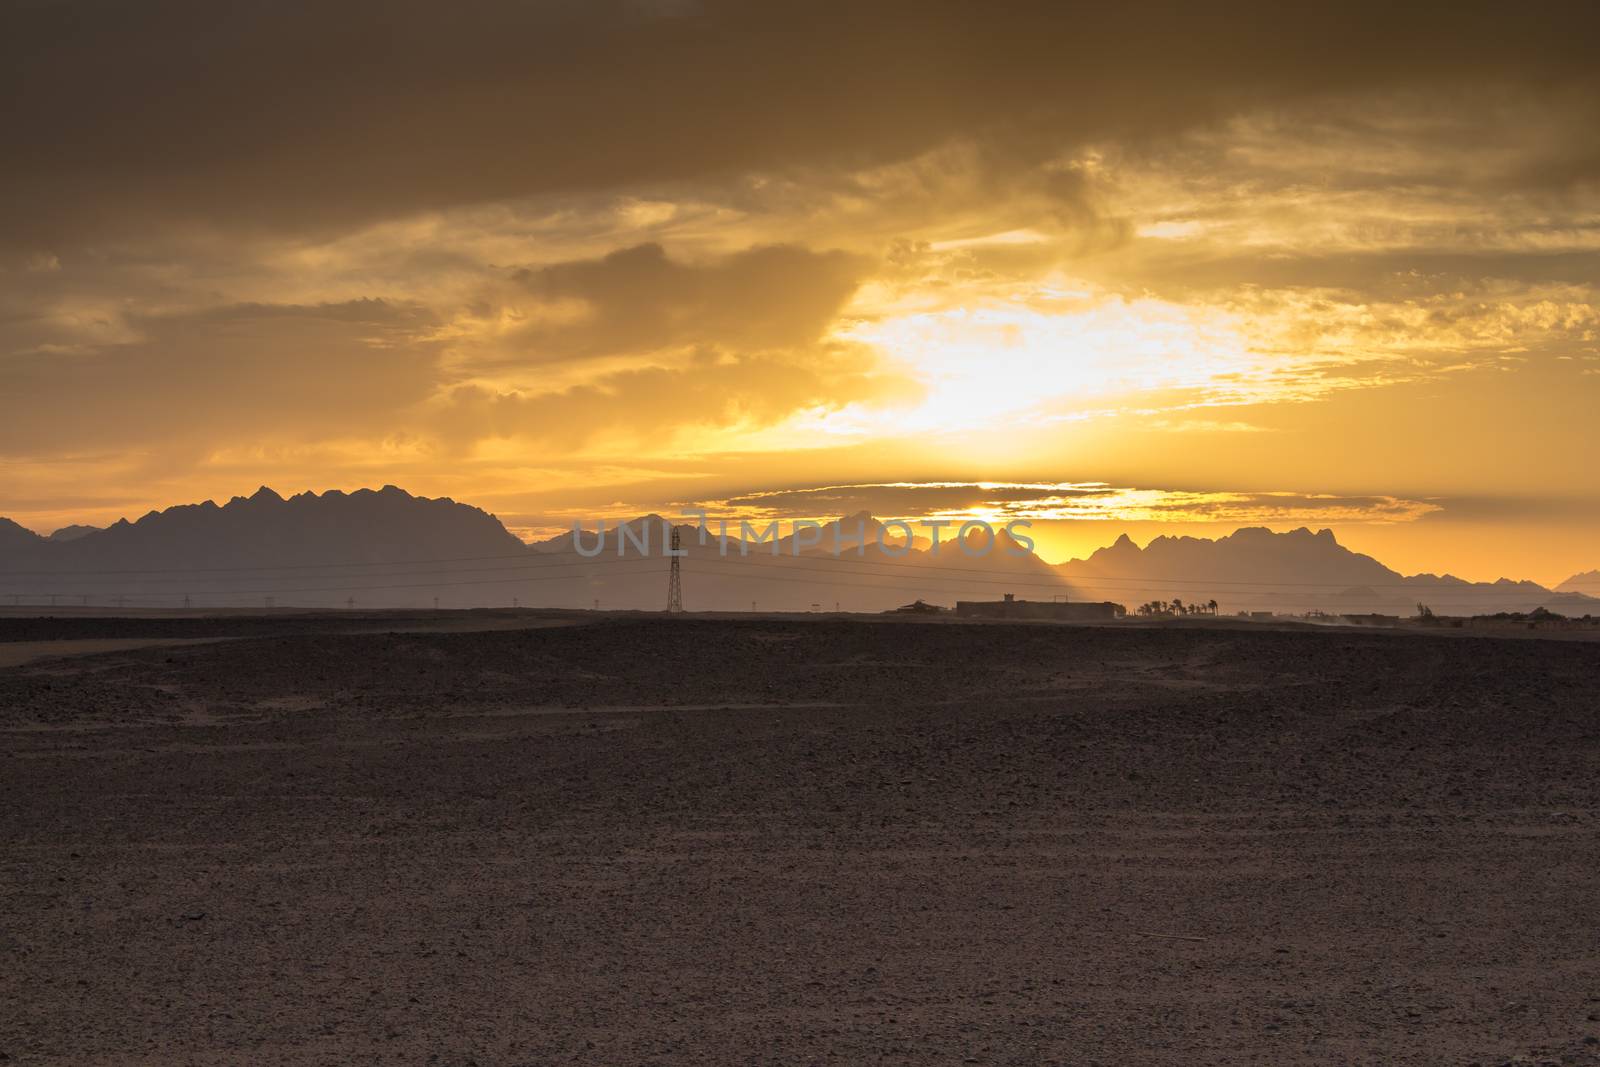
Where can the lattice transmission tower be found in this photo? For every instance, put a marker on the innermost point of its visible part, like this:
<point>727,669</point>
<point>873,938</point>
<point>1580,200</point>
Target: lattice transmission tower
<point>675,579</point>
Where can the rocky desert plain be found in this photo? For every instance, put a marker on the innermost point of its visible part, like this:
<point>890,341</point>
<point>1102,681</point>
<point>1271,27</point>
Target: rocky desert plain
<point>542,838</point>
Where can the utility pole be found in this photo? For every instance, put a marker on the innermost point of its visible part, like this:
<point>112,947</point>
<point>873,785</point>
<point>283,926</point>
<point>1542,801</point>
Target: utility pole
<point>350,604</point>
<point>597,603</point>
<point>186,600</point>
<point>435,603</point>
<point>272,602</point>
<point>675,580</point>
<point>514,603</point>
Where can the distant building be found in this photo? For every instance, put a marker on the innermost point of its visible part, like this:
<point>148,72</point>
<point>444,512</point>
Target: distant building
<point>1062,610</point>
<point>917,607</point>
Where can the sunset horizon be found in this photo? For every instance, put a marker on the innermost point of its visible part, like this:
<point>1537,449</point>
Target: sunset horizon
<point>728,532</point>
<point>1094,517</point>
<point>1255,270</point>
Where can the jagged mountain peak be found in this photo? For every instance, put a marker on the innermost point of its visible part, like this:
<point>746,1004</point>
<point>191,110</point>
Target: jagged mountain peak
<point>15,535</point>
<point>72,533</point>
<point>1587,582</point>
<point>266,530</point>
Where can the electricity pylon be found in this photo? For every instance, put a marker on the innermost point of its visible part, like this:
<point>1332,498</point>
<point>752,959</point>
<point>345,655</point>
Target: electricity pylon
<point>675,580</point>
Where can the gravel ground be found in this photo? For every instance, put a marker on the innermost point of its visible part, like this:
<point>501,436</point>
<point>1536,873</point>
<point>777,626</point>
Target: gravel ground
<point>652,841</point>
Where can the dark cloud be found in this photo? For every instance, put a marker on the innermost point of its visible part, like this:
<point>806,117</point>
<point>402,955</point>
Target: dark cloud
<point>123,117</point>
<point>896,499</point>
<point>1388,274</point>
<point>639,300</point>
<point>743,331</point>
<point>1067,502</point>
<point>234,375</point>
<point>646,406</point>
<point>1523,507</point>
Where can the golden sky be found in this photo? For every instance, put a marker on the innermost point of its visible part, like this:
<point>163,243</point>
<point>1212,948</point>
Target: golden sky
<point>1154,268</point>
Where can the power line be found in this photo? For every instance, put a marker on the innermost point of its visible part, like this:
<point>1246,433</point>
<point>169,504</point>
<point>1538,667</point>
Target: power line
<point>910,582</point>
<point>971,574</point>
<point>526,565</point>
<point>899,576</point>
<point>968,574</point>
<point>901,570</point>
<point>185,573</point>
<point>349,588</point>
<point>286,566</point>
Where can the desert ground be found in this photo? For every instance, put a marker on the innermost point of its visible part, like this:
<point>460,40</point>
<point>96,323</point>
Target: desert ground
<point>525,838</point>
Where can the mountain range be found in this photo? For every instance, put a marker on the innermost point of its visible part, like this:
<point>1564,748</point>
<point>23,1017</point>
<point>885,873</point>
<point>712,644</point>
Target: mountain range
<point>1300,570</point>
<point>387,548</point>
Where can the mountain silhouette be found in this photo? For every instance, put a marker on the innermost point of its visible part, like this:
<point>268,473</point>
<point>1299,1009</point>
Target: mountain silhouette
<point>1250,554</point>
<point>1300,570</point>
<point>17,540</point>
<point>1587,582</point>
<point>252,547</point>
<point>387,548</point>
<point>781,574</point>
<point>72,533</point>
<point>267,530</point>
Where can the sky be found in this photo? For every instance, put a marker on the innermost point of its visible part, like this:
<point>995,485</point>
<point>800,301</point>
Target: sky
<point>1154,268</point>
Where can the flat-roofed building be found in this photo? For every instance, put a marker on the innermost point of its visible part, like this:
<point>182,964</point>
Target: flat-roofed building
<point>1062,610</point>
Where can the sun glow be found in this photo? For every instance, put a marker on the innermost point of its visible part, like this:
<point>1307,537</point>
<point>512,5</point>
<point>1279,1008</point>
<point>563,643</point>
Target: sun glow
<point>1039,360</point>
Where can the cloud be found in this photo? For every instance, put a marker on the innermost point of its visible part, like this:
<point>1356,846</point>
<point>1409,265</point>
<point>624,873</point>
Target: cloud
<point>192,381</point>
<point>1517,507</point>
<point>633,348</point>
<point>726,342</point>
<point>238,117</point>
<point>1389,194</point>
<point>1067,501</point>
<point>547,242</point>
<point>649,407</point>
<point>640,300</point>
